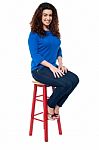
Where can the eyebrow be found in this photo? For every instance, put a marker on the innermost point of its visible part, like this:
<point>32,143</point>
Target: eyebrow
<point>47,14</point>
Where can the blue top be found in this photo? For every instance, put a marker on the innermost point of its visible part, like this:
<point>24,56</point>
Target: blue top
<point>43,48</point>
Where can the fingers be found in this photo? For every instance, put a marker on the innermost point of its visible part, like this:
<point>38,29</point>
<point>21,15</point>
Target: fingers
<point>58,73</point>
<point>64,69</point>
<point>61,73</point>
<point>54,74</point>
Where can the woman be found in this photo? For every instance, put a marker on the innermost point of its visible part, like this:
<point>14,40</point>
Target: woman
<point>44,45</point>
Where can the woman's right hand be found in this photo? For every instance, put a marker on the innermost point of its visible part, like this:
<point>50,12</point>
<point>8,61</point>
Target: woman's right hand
<point>56,71</point>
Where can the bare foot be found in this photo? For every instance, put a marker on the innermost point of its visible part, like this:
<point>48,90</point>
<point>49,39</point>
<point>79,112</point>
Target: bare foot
<point>56,112</point>
<point>51,113</point>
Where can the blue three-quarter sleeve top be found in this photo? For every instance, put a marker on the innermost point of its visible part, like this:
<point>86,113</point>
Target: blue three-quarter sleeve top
<point>43,48</point>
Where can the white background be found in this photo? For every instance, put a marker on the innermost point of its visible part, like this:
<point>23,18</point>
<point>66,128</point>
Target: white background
<point>79,27</point>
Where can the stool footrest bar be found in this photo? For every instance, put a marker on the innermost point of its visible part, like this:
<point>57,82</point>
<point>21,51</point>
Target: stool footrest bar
<point>38,113</point>
<point>39,100</point>
<point>39,95</point>
<point>38,119</point>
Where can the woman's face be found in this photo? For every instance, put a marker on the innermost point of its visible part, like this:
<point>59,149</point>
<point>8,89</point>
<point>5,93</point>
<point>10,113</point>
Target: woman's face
<point>46,17</point>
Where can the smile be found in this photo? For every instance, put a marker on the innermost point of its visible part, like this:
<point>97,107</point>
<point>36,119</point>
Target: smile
<point>47,21</point>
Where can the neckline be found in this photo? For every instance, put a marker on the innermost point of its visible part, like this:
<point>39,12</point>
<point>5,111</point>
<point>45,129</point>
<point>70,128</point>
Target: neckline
<point>47,30</point>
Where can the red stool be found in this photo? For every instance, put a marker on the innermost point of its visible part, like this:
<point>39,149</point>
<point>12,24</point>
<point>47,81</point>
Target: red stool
<point>45,118</point>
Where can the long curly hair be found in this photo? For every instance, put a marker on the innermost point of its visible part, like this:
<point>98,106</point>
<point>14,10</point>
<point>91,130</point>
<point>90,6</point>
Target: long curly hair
<point>36,22</point>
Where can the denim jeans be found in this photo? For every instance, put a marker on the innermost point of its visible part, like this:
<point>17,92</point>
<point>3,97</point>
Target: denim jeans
<point>63,85</point>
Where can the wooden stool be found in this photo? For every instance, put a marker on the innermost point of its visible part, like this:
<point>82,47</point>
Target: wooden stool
<point>45,118</point>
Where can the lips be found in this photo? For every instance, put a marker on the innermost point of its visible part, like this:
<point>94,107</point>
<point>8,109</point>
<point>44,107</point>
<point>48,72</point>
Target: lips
<point>47,21</point>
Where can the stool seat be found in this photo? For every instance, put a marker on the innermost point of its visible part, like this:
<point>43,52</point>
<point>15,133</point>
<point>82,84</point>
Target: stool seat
<point>36,82</point>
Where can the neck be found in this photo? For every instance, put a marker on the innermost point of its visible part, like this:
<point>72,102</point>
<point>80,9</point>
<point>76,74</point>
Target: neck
<point>45,28</point>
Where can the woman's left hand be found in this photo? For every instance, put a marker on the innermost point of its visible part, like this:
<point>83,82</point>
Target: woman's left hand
<point>63,69</point>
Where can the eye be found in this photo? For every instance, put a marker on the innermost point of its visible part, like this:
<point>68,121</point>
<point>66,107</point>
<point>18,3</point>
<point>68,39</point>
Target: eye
<point>44,15</point>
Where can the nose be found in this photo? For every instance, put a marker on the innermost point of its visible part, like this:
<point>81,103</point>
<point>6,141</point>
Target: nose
<point>48,17</point>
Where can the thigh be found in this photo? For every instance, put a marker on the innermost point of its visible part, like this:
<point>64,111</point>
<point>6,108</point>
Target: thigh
<point>72,77</point>
<point>45,76</point>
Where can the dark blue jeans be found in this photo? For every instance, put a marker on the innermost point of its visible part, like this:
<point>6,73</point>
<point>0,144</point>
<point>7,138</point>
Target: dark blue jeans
<point>63,85</point>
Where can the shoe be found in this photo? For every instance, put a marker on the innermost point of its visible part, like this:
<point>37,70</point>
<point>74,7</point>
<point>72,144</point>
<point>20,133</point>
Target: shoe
<point>51,116</point>
<point>56,116</point>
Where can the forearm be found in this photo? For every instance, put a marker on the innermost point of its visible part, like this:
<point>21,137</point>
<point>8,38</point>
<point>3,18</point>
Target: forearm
<point>60,61</point>
<point>46,63</point>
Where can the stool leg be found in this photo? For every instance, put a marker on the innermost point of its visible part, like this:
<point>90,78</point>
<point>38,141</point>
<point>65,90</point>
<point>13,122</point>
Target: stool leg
<point>45,113</point>
<point>33,110</point>
<point>59,126</point>
<point>58,121</point>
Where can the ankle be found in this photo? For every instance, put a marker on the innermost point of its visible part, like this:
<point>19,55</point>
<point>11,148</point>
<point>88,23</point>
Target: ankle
<point>57,109</point>
<point>50,110</point>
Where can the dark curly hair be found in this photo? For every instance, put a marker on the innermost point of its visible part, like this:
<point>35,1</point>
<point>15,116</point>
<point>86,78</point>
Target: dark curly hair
<point>36,22</point>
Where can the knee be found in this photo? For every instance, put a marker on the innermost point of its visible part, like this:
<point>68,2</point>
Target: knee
<point>76,79</point>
